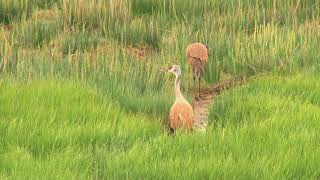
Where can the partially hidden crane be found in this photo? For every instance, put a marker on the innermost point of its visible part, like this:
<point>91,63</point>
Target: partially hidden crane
<point>197,56</point>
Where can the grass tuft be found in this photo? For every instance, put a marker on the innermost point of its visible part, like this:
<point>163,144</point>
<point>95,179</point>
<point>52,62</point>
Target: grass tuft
<point>75,103</point>
<point>79,42</point>
<point>35,34</point>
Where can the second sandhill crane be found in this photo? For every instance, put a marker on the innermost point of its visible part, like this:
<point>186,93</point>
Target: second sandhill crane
<point>197,56</point>
<point>181,113</point>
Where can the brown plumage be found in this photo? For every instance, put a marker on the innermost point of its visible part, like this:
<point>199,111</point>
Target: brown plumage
<point>197,56</point>
<point>181,113</point>
<point>197,50</point>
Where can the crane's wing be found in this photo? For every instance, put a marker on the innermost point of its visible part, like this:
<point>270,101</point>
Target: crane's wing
<point>181,114</point>
<point>197,50</point>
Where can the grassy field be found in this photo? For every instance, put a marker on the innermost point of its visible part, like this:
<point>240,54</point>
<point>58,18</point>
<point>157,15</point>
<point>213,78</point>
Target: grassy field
<point>81,96</point>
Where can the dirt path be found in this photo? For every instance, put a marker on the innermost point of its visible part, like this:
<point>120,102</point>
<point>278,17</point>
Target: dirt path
<point>202,106</point>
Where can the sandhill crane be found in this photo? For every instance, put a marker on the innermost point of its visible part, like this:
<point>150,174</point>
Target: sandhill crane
<point>197,55</point>
<point>181,113</point>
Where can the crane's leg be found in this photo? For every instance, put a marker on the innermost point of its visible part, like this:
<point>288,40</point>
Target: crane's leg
<point>171,131</point>
<point>194,87</point>
<point>199,86</point>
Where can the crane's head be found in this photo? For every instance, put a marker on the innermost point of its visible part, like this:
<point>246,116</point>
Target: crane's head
<point>175,69</point>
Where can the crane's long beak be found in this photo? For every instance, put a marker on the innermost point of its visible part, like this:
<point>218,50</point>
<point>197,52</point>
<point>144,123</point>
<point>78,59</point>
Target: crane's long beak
<point>166,69</point>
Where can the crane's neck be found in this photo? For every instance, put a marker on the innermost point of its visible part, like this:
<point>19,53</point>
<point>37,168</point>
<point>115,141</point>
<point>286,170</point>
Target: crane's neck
<point>177,91</point>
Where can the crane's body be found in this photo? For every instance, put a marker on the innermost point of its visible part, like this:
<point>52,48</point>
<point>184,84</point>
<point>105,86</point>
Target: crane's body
<point>181,113</point>
<point>197,56</point>
<point>197,50</point>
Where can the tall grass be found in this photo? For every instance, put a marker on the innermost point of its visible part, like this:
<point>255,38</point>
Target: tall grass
<point>11,10</point>
<point>221,25</point>
<point>82,41</point>
<point>88,40</point>
<point>77,102</point>
<point>66,128</point>
<point>35,34</point>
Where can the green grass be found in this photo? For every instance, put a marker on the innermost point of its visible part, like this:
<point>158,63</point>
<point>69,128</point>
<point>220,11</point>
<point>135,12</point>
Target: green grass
<point>74,119</point>
<point>11,10</point>
<point>61,128</point>
<point>35,34</point>
<point>137,34</point>
<point>81,95</point>
<point>79,42</point>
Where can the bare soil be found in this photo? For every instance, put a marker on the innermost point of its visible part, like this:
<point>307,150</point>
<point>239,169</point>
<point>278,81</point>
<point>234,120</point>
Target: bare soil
<point>201,107</point>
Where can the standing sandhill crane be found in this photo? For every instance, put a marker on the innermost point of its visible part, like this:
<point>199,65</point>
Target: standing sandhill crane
<point>197,55</point>
<point>181,113</point>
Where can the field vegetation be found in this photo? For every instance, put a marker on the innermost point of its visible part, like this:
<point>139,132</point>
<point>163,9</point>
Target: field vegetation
<point>81,95</point>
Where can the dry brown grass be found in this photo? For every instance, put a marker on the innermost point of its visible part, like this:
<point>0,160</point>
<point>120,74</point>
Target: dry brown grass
<point>139,52</point>
<point>45,14</point>
<point>119,9</point>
